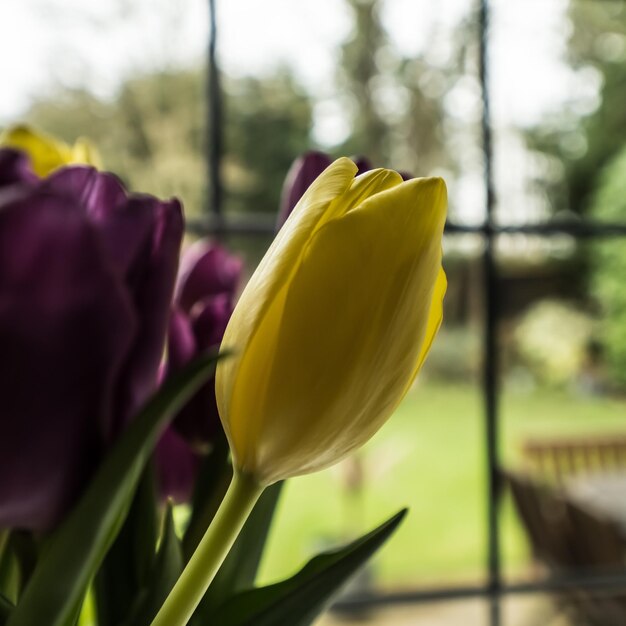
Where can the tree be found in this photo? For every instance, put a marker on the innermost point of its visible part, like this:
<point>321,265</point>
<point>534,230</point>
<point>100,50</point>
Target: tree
<point>584,145</point>
<point>268,124</point>
<point>608,266</point>
<point>152,134</point>
<point>396,103</point>
<point>357,77</point>
<point>592,154</point>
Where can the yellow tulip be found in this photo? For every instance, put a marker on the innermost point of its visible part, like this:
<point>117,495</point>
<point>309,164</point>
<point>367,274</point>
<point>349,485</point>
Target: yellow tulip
<point>328,337</point>
<point>335,323</point>
<point>47,153</point>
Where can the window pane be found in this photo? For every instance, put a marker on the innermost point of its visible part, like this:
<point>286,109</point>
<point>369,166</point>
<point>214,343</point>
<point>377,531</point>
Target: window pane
<point>428,457</point>
<point>563,424</point>
<point>557,72</point>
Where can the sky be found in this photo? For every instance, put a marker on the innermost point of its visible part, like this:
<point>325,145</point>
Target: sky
<point>89,43</point>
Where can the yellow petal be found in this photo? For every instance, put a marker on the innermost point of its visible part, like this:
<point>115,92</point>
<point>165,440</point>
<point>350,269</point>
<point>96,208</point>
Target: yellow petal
<point>434,323</point>
<point>344,340</point>
<point>364,186</point>
<point>47,153</point>
<point>262,295</point>
<point>85,152</point>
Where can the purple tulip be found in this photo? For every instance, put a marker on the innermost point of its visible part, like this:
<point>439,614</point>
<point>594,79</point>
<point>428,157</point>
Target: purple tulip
<point>87,274</point>
<point>205,291</point>
<point>363,163</point>
<point>207,283</point>
<point>303,171</point>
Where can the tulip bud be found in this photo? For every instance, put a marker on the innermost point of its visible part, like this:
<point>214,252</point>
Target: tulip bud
<point>48,153</point>
<point>363,164</point>
<point>86,281</point>
<point>207,282</point>
<point>335,323</point>
<point>304,170</point>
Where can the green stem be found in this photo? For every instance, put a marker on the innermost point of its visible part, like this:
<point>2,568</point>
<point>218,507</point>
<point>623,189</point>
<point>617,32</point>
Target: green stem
<point>210,553</point>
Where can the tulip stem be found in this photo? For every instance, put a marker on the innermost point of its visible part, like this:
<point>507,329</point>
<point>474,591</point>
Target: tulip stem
<point>210,553</point>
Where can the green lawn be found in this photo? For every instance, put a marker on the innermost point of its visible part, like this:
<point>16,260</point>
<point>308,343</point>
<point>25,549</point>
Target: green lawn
<point>429,457</point>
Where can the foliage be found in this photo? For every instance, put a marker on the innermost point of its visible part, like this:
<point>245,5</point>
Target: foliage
<point>553,338</point>
<point>357,73</point>
<point>395,103</point>
<point>585,170</point>
<point>582,144</point>
<point>268,124</point>
<point>456,355</point>
<point>153,132</point>
<point>609,267</point>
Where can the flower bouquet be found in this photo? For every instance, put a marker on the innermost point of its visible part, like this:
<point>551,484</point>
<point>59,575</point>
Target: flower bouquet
<point>116,403</point>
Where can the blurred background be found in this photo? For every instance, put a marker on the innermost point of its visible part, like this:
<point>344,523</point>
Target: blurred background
<point>398,81</point>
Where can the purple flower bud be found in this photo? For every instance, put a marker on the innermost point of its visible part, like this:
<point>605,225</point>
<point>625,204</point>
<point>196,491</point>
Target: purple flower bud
<point>206,270</point>
<point>304,170</point>
<point>363,163</point>
<point>210,319</point>
<point>208,279</point>
<point>181,343</point>
<point>86,281</point>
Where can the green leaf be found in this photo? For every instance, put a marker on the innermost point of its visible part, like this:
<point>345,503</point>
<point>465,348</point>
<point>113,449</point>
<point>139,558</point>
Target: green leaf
<point>213,479</point>
<point>9,572</point>
<point>300,599</point>
<point>240,567</point>
<point>130,560</point>
<point>166,571</point>
<point>77,548</point>
<point>25,550</point>
<point>6,606</point>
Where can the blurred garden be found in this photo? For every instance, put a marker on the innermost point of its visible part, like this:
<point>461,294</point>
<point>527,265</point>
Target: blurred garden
<point>561,300</point>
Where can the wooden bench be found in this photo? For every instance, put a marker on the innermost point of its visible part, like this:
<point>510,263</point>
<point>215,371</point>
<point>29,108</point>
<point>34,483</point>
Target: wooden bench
<point>556,458</point>
<point>568,541</point>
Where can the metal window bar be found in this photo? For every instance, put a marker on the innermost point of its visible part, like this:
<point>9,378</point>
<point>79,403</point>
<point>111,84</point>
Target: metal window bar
<point>490,348</point>
<point>217,224</point>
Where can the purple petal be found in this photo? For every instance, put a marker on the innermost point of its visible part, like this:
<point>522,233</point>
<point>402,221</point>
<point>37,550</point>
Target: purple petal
<point>126,227</point>
<point>363,163</point>
<point>210,320</point>
<point>142,238</point>
<point>304,170</point>
<point>198,422</point>
<point>66,325</point>
<point>151,280</point>
<point>181,342</point>
<point>207,269</point>
<point>99,192</point>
